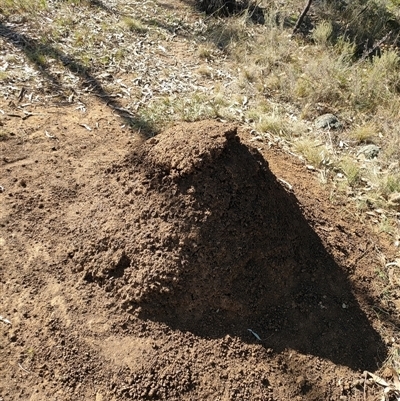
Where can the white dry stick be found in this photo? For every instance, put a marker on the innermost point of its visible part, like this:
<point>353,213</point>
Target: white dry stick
<point>85,126</point>
<point>49,136</point>
<point>392,264</point>
<point>25,370</point>
<point>286,183</point>
<point>4,320</point>
<point>255,334</point>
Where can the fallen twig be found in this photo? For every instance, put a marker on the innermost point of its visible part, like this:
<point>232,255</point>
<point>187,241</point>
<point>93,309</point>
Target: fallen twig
<point>286,183</point>
<point>27,115</point>
<point>367,52</point>
<point>389,388</point>
<point>365,385</point>
<point>301,17</point>
<point>50,136</point>
<point>85,126</point>
<point>255,334</point>
<point>25,370</point>
<point>4,320</point>
<point>124,111</point>
<point>21,94</point>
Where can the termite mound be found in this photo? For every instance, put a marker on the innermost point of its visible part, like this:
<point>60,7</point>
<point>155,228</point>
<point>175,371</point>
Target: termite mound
<point>196,220</point>
<point>201,216</point>
<point>197,223</point>
<point>192,229</point>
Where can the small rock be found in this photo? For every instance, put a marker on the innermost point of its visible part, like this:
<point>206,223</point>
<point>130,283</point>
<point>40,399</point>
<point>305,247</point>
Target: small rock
<point>12,336</point>
<point>329,121</point>
<point>369,151</point>
<point>153,140</point>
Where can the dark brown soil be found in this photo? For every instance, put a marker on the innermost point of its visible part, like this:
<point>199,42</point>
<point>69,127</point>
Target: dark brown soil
<point>180,268</point>
<point>199,234</point>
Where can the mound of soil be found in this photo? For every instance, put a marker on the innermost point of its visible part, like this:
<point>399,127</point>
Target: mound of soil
<point>179,268</point>
<point>192,229</point>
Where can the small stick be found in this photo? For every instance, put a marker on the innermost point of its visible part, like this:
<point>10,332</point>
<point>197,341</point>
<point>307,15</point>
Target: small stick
<point>367,52</point>
<point>286,183</point>
<point>391,264</point>
<point>4,320</point>
<point>25,370</point>
<point>255,334</point>
<point>50,136</point>
<point>365,385</point>
<point>21,94</point>
<point>85,126</point>
<point>301,17</point>
<point>27,115</point>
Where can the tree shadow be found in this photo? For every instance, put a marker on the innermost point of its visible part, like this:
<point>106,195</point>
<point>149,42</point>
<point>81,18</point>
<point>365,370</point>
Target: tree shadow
<point>226,8</point>
<point>166,5</point>
<point>257,270</point>
<point>366,25</point>
<point>102,6</point>
<point>35,51</point>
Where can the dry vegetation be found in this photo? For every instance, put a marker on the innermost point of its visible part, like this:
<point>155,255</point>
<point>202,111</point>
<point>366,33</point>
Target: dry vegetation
<point>346,62</point>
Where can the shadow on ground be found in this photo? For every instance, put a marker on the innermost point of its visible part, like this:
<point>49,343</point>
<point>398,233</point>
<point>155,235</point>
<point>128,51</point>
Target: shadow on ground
<point>36,52</point>
<point>255,263</point>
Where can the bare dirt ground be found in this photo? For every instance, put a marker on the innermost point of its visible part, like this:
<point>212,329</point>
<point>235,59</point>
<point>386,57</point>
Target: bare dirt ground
<point>196,265</point>
<point>136,270</point>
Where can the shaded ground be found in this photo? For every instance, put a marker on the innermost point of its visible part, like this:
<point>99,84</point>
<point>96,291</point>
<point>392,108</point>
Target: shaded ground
<point>136,271</point>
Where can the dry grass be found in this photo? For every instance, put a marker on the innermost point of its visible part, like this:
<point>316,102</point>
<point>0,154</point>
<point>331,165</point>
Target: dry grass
<point>206,51</point>
<point>134,25</point>
<point>322,33</point>
<point>4,135</point>
<point>351,170</point>
<point>365,133</point>
<point>314,152</point>
<point>10,7</point>
<point>165,110</point>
